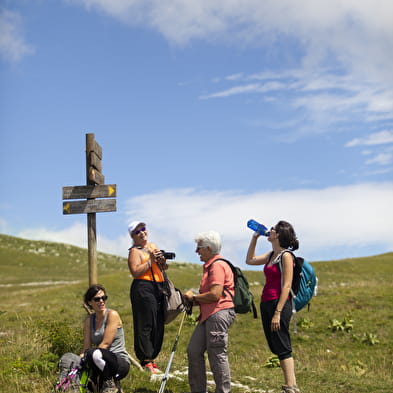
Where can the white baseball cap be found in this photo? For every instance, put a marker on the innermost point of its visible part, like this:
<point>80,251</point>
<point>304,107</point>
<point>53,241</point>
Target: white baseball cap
<point>133,225</point>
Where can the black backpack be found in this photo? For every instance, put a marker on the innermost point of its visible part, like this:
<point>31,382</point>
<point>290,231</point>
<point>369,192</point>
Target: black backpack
<point>243,298</point>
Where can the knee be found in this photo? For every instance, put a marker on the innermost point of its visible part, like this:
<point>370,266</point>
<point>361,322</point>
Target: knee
<point>284,355</point>
<point>194,352</point>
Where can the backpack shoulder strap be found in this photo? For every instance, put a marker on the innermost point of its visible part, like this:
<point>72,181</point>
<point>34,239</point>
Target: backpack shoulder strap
<point>282,279</point>
<point>234,275</point>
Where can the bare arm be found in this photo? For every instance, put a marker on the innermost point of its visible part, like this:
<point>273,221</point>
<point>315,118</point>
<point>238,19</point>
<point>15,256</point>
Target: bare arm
<point>113,323</point>
<point>287,275</point>
<point>212,296</point>
<point>135,262</point>
<point>251,259</point>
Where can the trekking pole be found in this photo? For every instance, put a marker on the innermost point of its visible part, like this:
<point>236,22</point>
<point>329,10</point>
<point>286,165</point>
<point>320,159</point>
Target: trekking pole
<point>168,367</point>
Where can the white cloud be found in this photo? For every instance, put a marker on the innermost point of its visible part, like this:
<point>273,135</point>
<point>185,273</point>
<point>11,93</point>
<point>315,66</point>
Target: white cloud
<point>13,46</point>
<point>376,138</point>
<point>337,69</point>
<point>331,223</point>
<point>331,218</point>
<point>77,236</point>
<point>357,33</point>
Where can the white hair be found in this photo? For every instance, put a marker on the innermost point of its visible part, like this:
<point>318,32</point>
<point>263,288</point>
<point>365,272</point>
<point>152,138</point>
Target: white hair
<point>210,239</point>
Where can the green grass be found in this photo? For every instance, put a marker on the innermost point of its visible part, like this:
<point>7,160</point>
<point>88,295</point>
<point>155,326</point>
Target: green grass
<point>41,317</point>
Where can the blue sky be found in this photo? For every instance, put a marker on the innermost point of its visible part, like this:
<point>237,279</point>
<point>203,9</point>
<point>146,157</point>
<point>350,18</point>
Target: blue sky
<point>208,113</point>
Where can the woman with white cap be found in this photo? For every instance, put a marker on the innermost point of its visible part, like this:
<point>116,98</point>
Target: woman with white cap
<point>146,263</point>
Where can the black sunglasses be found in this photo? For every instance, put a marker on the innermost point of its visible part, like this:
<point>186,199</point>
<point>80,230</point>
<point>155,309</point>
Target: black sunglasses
<point>98,298</point>
<point>139,231</point>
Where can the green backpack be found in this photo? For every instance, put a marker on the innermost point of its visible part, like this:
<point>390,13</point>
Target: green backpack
<point>243,298</point>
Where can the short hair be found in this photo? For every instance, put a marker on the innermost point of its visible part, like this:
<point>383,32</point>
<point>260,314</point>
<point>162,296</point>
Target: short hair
<point>286,235</point>
<point>91,292</point>
<point>210,239</point>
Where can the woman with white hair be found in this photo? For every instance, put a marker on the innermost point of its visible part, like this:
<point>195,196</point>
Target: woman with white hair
<point>216,316</point>
<point>146,263</point>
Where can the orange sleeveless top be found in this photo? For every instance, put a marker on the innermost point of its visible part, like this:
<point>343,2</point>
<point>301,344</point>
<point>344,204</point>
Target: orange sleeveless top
<point>148,276</point>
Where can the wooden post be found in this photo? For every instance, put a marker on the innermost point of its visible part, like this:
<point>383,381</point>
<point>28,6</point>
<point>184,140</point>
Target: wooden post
<point>95,188</point>
<point>91,218</point>
<point>92,247</point>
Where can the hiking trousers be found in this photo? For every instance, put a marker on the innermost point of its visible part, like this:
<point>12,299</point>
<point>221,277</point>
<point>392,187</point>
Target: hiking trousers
<point>211,336</point>
<point>148,314</point>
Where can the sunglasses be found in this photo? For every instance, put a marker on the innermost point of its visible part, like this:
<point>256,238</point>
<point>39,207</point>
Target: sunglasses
<point>139,231</point>
<point>98,298</point>
<point>273,229</point>
<point>198,247</point>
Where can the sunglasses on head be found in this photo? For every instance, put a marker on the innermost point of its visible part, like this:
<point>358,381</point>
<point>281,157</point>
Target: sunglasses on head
<point>98,298</point>
<point>139,231</point>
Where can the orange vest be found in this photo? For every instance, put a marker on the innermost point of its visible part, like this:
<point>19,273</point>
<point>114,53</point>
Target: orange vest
<point>158,276</point>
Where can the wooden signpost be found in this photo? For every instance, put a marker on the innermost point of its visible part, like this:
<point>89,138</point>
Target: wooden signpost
<point>87,202</point>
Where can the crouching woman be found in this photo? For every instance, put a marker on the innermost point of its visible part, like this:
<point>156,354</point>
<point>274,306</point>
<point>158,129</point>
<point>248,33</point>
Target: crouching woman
<point>104,348</point>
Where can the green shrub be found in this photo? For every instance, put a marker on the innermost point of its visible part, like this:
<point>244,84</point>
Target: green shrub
<point>62,337</point>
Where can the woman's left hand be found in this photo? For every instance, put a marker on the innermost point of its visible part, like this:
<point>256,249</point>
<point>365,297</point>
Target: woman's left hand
<point>275,325</point>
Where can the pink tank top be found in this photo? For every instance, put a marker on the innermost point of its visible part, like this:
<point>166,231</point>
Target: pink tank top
<point>272,288</point>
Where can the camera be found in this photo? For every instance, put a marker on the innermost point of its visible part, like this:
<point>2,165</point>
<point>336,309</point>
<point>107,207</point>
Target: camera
<point>168,255</point>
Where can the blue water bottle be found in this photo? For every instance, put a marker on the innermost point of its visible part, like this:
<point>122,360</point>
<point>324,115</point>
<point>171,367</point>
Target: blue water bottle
<point>257,227</point>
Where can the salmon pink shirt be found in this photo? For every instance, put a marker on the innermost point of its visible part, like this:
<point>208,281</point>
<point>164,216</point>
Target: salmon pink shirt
<point>217,273</point>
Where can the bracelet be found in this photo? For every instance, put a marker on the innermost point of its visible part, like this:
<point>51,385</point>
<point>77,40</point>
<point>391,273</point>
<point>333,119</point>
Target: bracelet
<point>278,311</point>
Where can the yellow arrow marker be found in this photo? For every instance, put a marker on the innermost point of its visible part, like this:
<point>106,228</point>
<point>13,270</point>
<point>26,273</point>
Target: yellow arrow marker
<point>111,190</point>
<point>66,208</point>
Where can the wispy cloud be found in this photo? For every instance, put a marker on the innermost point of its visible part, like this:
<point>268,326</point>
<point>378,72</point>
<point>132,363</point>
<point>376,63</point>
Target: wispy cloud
<point>376,138</point>
<point>13,46</point>
<point>384,158</point>
<point>381,140</point>
<point>336,72</point>
<point>330,100</point>
<point>247,88</point>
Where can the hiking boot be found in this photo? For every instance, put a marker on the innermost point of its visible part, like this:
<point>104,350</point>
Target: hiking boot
<point>109,387</point>
<point>290,389</point>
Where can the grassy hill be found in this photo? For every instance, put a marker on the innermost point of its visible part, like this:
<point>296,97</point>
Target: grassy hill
<point>344,343</point>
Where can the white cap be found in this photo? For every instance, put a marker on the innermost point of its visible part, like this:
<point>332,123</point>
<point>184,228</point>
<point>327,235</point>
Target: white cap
<point>133,225</point>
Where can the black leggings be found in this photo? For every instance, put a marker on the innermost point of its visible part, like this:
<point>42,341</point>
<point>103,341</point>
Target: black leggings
<point>148,314</point>
<point>279,341</point>
<point>115,366</point>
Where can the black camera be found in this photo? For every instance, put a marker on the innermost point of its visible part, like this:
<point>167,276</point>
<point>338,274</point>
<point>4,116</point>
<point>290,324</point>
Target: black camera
<point>168,255</point>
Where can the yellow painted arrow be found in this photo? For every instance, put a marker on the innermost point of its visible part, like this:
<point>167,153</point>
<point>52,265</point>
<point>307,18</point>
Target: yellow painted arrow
<point>66,208</point>
<point>111,190</point>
